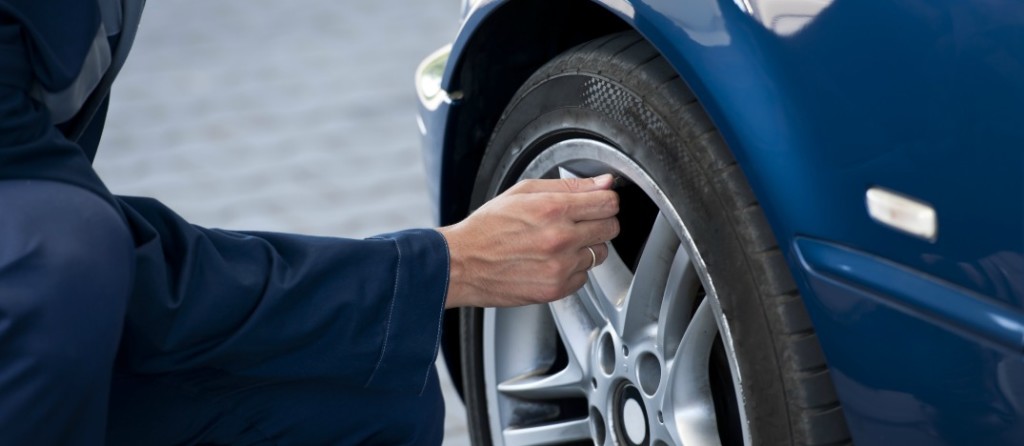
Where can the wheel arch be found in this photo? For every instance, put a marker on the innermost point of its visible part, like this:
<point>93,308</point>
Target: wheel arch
<point>723,55</point>
<point>492,57</point>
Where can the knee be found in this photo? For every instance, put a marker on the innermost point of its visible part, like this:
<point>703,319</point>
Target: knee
<point>368,416</point>
<point>324,413</point>
<point>422,420</point>
<point>65,230</point>
<point>65,264</point>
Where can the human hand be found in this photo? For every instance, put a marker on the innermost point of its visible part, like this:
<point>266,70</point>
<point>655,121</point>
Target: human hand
<point>529,244</point>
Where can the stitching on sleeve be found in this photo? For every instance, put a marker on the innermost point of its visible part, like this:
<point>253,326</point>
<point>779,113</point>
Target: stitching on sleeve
<point>444,300</point>
<point>391,308</point>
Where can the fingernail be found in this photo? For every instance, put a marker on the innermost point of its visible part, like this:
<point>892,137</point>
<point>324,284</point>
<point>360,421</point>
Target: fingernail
<point>603,180</point>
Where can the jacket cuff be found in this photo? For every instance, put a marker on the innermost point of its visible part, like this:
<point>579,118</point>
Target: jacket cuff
<point>413,323</point>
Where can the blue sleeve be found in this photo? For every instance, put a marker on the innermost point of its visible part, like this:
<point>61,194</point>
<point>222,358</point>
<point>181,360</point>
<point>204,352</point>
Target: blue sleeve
<point>281,305</point>
<point>31,147</point>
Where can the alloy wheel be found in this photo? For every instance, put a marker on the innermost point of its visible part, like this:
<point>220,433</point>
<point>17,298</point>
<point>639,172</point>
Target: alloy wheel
<point>641,355</point>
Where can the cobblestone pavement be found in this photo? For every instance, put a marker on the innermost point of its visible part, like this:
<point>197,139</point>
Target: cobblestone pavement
<point>292,116</point>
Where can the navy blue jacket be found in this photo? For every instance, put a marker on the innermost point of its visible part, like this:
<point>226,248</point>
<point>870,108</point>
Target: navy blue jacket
<point>254,304</point>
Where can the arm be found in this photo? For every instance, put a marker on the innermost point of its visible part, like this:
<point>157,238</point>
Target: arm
<point>367,311</point>
<point>282,305</point>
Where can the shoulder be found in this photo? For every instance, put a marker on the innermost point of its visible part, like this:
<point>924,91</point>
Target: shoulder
<point>56,34</point>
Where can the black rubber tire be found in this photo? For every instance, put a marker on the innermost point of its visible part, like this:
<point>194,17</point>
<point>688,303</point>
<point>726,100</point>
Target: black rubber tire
<point>619,90</point>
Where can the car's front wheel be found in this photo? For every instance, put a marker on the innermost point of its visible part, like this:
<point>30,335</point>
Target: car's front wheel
<point>692,332</point>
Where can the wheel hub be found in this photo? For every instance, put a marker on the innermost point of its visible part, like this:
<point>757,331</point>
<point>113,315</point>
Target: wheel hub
<point>631,417</point>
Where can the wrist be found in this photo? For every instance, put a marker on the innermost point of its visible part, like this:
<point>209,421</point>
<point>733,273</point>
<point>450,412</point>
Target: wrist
<point>458,290</point>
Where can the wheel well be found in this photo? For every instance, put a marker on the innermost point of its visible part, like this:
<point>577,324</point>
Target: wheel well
<point>513,42</point>
<point>497,60</point>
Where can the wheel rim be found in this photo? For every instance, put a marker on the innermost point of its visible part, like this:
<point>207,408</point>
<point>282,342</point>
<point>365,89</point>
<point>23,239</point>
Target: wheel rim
<point>629,358</point>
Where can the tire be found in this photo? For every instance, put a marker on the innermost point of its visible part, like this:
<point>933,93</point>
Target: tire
<point>695,295</point>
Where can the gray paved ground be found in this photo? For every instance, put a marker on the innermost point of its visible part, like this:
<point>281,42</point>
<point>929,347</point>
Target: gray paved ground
<point>290,116</point>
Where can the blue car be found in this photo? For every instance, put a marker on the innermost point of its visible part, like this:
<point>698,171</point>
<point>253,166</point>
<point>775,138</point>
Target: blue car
<point>822,230</point>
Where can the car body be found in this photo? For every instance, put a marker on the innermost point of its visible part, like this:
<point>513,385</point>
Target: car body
<point>820,102</point>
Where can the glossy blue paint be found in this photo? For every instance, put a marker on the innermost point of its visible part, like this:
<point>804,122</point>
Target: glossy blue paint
<point>907,377</point>
<point>819,101</point>
<point>432,127</point>
<point>926,297</point>
<point>924,104</point>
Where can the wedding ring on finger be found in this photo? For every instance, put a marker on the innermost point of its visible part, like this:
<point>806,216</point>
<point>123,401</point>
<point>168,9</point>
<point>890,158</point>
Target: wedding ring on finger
<point>593,258</point>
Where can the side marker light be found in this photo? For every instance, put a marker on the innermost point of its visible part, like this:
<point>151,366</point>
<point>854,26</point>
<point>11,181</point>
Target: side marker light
<point>903,213</point>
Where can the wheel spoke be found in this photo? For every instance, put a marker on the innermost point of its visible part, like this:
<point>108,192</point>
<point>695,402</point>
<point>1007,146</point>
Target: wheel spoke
<point>548,434</point>
<point>608,282</point>
<point>681,293</point>
<point>591,299</point>
<point>647,289</point>
<point>576,328</point>
<point>609,285</point>
<point>567,382</point>
<point>564,173</point>
<point>690,400</point>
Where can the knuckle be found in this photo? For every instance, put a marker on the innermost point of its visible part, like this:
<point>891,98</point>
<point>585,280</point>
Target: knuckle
<point>554,240</point>
<point>557,209</point>
<point>547,241</point>
<point>553,267</point>
<point>571,184</point>
<point>550,209</point>
<point>613,202</point>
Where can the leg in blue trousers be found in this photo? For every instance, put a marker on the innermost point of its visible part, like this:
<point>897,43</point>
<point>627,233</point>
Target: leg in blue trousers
<point>212,407</point>
<point>65,276</point>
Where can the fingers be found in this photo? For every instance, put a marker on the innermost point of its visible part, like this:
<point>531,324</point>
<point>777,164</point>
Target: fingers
<point>594,205</point>
<point>586,259</point>
<point>602,182</point>
<point>596,231</point>
<point>548,208</point>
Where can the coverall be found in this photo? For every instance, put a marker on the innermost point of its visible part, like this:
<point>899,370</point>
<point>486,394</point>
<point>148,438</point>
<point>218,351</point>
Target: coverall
<point>121,323</point>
